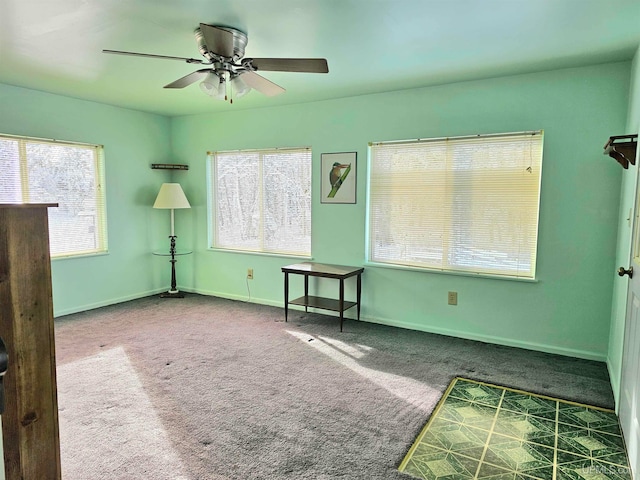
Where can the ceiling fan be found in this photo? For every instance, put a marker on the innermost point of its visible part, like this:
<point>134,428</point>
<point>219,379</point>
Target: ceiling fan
<point>228,72</point>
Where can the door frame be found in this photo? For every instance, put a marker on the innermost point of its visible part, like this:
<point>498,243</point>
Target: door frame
<point>633,443</point>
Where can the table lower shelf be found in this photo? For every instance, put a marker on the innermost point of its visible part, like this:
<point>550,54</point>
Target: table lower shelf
<point>323,303</point>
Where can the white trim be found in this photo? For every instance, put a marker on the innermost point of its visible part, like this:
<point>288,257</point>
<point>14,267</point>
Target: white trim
<point>50,140</point>
<point>104,303</point>
<point>398,266</point>
<point>538,347</point>
<point>256,252</point>
<point>460,137</point>
<point>279,149</point>
<point>615,383</point>
<point>240,298</point>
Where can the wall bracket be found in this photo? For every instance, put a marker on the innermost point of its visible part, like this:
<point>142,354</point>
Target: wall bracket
<point>622,148</point>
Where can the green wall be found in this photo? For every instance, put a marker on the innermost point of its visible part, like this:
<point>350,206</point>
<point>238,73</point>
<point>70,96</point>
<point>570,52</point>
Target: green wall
<point>132,141</point>
<point>629,181</point>
<point>567,310</point>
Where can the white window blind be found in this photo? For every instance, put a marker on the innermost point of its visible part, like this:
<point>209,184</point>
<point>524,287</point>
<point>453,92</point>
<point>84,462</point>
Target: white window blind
<point>467,204</point>
<point>261,200</point>
<point>69,174</point>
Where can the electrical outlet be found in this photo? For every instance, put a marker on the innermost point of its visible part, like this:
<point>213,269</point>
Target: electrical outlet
<point>453,298</point>
<point>250,273</point>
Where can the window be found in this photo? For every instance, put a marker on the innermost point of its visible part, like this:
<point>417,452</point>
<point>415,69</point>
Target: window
<point>261,200</point>
<point>69,174</point>
<point>466,204</point>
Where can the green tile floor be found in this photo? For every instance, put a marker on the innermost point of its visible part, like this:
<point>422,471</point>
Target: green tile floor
<point>488,432</point>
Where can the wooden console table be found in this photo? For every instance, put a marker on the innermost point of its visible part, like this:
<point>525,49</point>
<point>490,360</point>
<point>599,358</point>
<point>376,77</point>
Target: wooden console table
<point>311,269</point>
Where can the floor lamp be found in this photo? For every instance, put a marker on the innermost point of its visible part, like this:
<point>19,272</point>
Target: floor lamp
<point>171,196</point>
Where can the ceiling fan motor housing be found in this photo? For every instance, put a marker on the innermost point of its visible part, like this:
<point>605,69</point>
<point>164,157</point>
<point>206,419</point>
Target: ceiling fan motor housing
<point>239,43</point>
<point>202,46</point>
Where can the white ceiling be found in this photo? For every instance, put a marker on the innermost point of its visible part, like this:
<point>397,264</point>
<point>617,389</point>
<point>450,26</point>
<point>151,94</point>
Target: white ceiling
<point>370,45</point>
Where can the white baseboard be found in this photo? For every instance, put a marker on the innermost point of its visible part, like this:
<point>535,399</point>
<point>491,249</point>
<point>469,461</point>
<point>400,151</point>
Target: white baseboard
<point>241,298</point>
<point>382,321</point>
<point>507,342</point>
<point>615,384</point>
<point>104,303</point>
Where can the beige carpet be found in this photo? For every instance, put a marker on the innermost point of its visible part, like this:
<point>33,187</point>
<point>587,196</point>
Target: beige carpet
<point>108,426</point>
<point>203,388</point>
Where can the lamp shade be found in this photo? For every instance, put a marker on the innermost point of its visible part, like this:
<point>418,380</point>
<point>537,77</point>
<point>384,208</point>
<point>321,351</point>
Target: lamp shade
<point>240,88</point>
<point>210,84</point>
<point>171,196</point>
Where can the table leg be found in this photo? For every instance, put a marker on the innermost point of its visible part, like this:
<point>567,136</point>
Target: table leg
<point>341,302</point>
<point>286,295</point>
<point>306,292</point>
<point>359,290</point>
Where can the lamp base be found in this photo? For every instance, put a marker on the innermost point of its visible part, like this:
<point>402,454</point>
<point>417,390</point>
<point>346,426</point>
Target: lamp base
<point>170,294</point>
<point>174,292</point>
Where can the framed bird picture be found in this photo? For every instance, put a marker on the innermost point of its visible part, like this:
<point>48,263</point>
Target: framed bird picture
<point>338,180</point>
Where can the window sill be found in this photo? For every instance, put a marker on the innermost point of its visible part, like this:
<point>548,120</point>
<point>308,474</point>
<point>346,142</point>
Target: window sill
<point>451,272</point>
<point>79,255</point>
<point>261,254</point>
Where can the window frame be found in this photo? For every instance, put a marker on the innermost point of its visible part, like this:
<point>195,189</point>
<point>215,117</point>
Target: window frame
<point>212,210</point>
<point>100,190</point>
<point>447,268</point>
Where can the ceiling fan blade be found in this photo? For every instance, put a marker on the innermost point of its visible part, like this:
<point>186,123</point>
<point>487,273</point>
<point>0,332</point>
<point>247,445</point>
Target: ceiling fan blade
<point>309,65</point>
<point>188,79</point>
<point>261,84</point>
<point>149,55</point>
<point>218,40</point>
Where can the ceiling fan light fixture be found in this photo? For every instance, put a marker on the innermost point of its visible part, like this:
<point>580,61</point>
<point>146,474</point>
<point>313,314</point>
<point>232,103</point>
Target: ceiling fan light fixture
<point>210,85</point>
<point>240,88</point>
<point>222,90</point>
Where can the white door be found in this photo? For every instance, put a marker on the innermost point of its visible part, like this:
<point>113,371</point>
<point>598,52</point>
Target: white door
<point>630,380</point>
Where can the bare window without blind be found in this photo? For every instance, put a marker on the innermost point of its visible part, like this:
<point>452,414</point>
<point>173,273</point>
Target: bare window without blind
<point>261,201</point>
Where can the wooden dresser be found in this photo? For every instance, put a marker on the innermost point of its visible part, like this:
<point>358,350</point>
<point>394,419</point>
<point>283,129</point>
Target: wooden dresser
<point>30,420</point>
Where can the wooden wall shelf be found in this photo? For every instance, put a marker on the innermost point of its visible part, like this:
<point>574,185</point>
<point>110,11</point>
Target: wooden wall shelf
<point>169,166</point>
